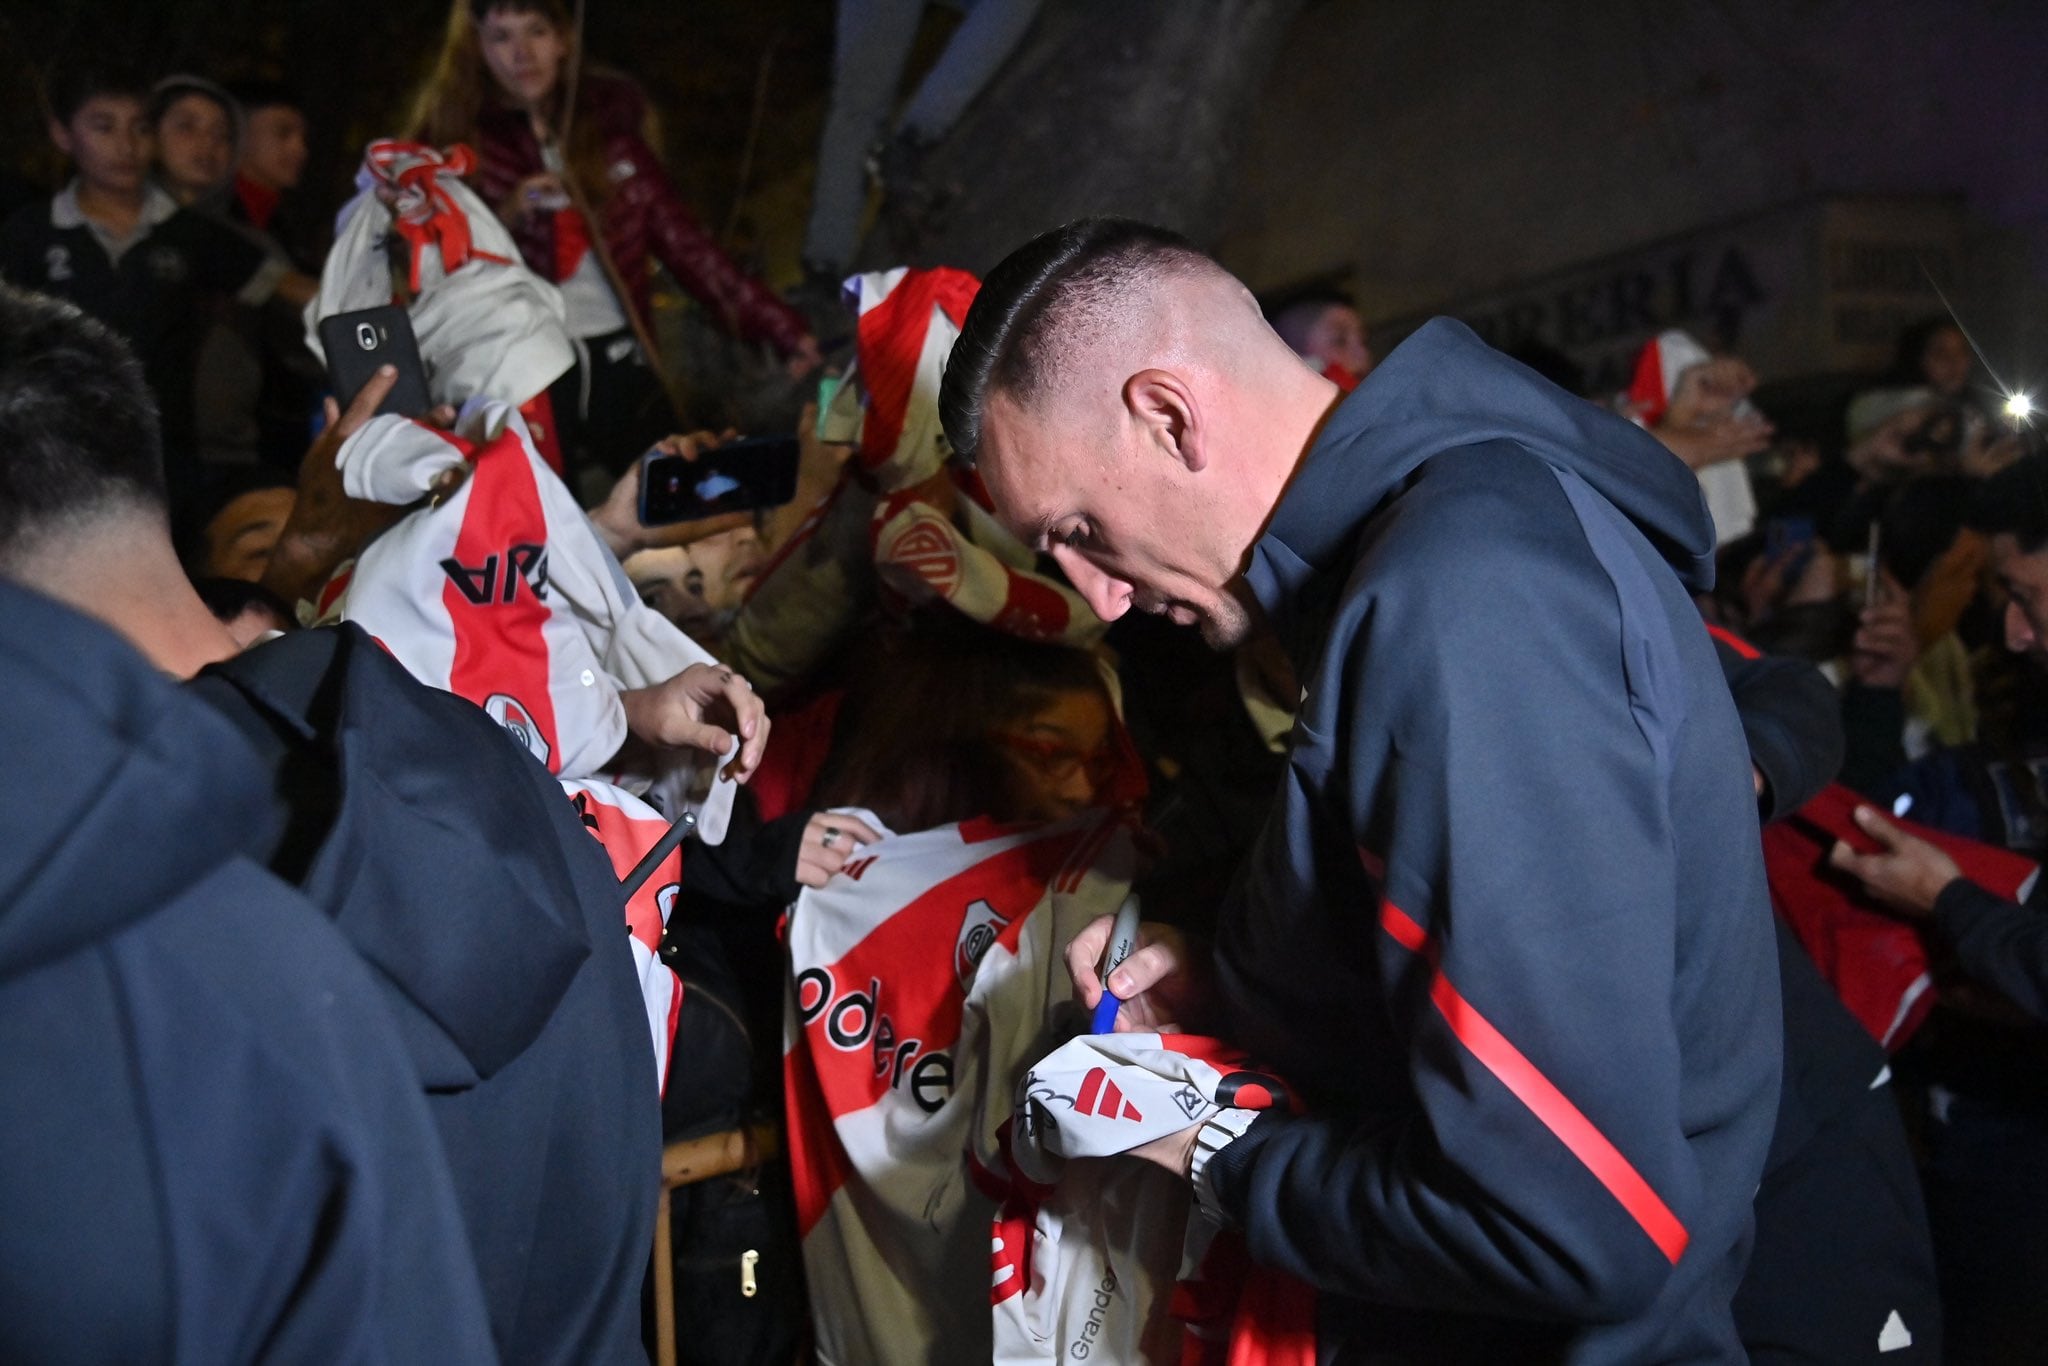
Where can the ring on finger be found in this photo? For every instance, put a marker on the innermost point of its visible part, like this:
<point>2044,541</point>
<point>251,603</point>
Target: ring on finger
<point>832,833</point>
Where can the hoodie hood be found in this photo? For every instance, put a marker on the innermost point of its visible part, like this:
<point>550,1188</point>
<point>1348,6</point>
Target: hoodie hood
<point>114,768</point>
<point>1444,388</point>
<point>436,846</point>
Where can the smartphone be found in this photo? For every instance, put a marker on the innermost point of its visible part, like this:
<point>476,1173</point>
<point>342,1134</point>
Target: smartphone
<point>357,343</point>
<point>1793,539</point>
<point>740,476</point>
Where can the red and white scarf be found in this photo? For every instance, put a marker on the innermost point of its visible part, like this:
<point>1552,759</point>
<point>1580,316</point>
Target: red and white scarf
<point>487,326</point>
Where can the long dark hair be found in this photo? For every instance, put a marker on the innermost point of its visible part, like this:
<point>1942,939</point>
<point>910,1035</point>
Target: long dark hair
<point>915,742</point>
<point>447,108</point>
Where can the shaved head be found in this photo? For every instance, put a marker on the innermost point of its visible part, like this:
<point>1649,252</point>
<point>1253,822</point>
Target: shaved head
<point>1050,305</point>
<point>1132,415</point>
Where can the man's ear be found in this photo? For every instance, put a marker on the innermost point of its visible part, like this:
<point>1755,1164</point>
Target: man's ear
<point>1163,405</point>
<point>60,135</point>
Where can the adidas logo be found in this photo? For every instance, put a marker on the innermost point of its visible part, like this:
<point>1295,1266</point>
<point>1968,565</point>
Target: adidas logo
<point>1103,1097</point>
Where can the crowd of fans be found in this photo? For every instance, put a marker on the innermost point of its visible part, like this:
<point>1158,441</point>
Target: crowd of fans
<point>324,1042</point>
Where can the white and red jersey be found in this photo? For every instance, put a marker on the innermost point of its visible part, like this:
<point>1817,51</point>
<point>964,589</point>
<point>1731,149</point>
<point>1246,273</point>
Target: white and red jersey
<point>875,529</point>
<point>1663,361</point>
<point>501,592</point>
<point>926,980</point>
<point>627,828</point>
<point>1076,1243</point>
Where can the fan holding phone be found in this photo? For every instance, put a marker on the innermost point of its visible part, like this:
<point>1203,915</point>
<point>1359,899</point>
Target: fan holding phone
<point>681,483</point>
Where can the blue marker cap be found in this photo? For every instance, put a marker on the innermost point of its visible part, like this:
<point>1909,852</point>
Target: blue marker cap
<point>1123,941</point>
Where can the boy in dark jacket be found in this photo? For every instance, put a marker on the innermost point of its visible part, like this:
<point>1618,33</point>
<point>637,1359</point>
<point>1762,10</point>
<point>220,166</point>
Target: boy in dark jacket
<point>120,248</point>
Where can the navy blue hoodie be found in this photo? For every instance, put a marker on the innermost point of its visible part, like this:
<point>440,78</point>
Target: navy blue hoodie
<point>1507,926</point>
<point>454,864</point>
<point>213,1147</point>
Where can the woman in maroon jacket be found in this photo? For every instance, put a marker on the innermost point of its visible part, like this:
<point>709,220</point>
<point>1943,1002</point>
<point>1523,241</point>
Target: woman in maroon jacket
<point>500,85</point>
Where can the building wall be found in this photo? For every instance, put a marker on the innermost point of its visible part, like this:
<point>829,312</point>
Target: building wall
<point>1433,153</point>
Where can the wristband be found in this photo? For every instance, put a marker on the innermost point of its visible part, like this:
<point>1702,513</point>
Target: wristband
<point>1218,1132</point>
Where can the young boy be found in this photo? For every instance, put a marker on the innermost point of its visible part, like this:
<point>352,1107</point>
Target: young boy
<point>198,129</point>
<point>273,159</point>
<point>265,203</point>
<point>119,247</point>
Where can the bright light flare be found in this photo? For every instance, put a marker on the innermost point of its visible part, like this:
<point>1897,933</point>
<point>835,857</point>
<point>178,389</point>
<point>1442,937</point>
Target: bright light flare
<point>2019,407</point>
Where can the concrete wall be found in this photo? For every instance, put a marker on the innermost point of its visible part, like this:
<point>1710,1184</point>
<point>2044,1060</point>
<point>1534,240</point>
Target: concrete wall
<point>1431,153</point>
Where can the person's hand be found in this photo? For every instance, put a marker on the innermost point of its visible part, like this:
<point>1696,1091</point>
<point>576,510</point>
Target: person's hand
<point>703,707</point>
<point>1712,441</point>
<point>327,526</point>
<point>617,519</point>
<point>1709,391</point>
<point>1881,456</point>
<point>1907,874</point>
<point>830,839</point>
<point>818,468</point>
<point>804,359</point>
<point>1988,450</point>
<point>296,290</point>
<point>537,194</point>
<point>1157,984</point>
<point>1175,1151</point>
<point>818,461</point>
<point>1763,582</point>
<point>1885,647</point>
<point>1802,462</point>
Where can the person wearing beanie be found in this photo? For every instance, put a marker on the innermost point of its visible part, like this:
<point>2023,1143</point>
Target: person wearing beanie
<point>198,127</point>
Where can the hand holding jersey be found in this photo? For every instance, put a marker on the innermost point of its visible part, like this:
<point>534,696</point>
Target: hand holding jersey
<point>831,840</point>
<point>1158,989</point>
<point>707,707</point>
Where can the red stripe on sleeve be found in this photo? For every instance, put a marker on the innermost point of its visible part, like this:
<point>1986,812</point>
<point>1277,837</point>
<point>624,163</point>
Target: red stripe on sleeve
<point>1544,1100</point>
<point>1406,932</point>
<point>1734,642</point>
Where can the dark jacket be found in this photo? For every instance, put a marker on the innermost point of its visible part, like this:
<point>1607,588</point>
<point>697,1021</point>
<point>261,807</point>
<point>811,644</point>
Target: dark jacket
<point>644,219</point>
<point>213,1146</point>
<point>1842,1245</point>
<point>458,869</point>
<point>1971,1046</point>
<point>1999,942</point>
<point>1507,928</point>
